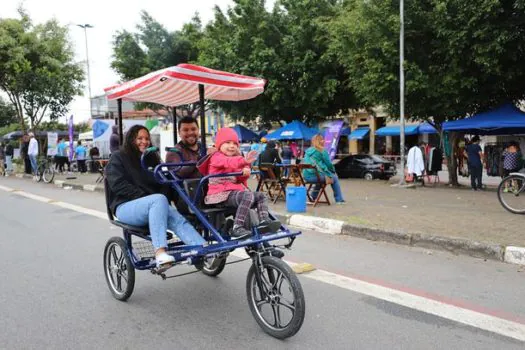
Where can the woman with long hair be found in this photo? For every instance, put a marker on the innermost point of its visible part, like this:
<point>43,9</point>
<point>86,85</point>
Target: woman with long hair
<point>137,199</point>
<point>317,156</point>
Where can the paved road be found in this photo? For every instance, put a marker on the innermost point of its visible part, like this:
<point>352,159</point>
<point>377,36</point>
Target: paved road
<point>53,292</point>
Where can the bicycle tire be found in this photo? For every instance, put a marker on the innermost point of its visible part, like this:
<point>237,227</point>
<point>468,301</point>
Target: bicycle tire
<point>520,179</point>
<point>48,175</point>
<point>274,299</point>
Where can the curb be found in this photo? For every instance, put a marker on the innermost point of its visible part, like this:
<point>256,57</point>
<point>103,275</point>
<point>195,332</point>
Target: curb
<point>508,254</point>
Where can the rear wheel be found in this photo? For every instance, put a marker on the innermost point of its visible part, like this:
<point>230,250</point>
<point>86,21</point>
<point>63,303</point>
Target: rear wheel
<point>275,297</point>
<point>119,272</point>
<point>511,194</point>
<point>213,266</point>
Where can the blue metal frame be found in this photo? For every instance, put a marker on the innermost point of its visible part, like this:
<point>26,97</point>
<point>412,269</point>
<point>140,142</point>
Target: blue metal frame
<point>165,173</point>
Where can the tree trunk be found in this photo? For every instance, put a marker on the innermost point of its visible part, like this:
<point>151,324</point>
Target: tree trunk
<point>452,164</point>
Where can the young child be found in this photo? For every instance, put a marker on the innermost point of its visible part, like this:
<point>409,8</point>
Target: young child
<point>232,190</point>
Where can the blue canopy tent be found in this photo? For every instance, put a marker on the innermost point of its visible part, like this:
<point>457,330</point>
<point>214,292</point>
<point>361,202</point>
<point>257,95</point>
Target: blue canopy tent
<point>504,120</point>
<point>359,133</point>
<point>411,129</point>
<point>395,130</point>
<point>292,131</point>
<point>346,131</point>
<point>245,134</point>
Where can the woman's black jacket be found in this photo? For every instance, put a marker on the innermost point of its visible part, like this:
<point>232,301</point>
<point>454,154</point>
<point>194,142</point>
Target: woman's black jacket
<point>128,181</point>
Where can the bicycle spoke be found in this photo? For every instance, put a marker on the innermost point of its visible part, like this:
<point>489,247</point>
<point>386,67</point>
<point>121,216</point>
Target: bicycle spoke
<point>119,282</point>
<point>289,306</point>
<point>276,315</point>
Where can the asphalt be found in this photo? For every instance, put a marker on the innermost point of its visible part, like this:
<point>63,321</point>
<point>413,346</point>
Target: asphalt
<point>438,217</point>
<point>54,293</point>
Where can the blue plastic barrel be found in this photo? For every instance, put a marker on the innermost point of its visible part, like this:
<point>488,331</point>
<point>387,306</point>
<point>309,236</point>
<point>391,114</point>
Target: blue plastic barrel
<point>296,199</point>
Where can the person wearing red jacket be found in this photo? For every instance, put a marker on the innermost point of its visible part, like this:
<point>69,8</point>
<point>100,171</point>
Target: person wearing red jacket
<point>232,190</point>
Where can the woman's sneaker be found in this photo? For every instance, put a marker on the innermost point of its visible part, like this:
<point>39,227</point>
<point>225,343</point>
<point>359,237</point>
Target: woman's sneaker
<point>163,259</point>
<point>239,232</point>
<point>269,226</point>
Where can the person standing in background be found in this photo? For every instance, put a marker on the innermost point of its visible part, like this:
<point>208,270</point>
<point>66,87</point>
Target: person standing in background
<point>9,152</point>
<point>80,155</point>
<point>32,152</point>
<point>114,140</point>
<point>474,153</point>
<point>2,160</point>
<point>23,153</point>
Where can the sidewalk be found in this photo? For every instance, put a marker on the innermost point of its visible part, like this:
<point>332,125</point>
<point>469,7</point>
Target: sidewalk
<point>442,217</point>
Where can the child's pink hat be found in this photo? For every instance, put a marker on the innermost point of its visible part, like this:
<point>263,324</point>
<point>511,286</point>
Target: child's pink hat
<point>225,135</point>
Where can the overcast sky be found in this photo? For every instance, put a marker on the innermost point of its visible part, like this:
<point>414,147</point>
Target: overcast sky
<point>107,17</point>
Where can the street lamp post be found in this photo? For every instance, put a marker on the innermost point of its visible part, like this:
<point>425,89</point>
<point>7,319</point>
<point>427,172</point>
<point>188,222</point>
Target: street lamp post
<point>402,88</point>
<point>85,27</point>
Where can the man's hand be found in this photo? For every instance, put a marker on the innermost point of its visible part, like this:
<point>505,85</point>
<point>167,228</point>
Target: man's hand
<point>246,171</point>
<point>329,180</point>
<point>251,157</point>
<point>211,150</point>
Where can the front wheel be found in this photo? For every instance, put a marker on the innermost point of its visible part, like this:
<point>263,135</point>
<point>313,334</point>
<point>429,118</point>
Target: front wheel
<point>275,297</point>
<point>511,194</point>
<point>119,272</point>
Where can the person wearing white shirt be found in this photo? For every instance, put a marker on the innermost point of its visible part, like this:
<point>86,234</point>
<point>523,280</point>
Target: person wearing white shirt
<point>415,162</point>
<point>32,152</point>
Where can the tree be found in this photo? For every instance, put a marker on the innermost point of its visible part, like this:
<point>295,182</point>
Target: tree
<point>37,69</point>
<point>153,47</point>
<point>7,114</point>
<point>289,48</point>
<point>460,57</point>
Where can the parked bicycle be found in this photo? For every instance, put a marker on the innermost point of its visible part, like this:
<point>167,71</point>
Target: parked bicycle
<point>46,170</point>
<point>511,193</point>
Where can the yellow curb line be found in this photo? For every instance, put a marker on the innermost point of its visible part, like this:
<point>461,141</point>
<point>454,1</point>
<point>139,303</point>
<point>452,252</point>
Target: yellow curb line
<point>303,268</point>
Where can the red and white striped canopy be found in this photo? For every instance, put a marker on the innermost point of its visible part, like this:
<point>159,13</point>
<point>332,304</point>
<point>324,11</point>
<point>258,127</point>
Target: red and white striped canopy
<point>175,86</point>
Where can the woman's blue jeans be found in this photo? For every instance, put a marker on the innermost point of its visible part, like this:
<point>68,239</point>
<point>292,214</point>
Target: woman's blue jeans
<point>335,186</point>
<point>155,211</point>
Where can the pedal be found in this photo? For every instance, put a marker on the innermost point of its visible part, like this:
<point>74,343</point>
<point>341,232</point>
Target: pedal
<point>159,270</point>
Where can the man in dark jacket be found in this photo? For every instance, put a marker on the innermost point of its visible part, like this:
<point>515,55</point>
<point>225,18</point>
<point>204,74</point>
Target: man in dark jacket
<point>114,140</point>
<point>188,149</point>
<point>271,156</point>
<point>9,152</point>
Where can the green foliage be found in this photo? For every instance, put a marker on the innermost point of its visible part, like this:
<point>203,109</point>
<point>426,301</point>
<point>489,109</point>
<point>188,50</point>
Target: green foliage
<point>289,48</point>
<point>7,113</point>
<point>152,48</point>
<point>37,68</point>
<point>9,128</point>
<point>461,57</point>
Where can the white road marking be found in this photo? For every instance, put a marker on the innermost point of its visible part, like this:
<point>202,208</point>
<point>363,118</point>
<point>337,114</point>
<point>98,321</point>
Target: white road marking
<point>445,310</point>
<point>455,313</point>
<point>7,189</point>
<point>33,196</point>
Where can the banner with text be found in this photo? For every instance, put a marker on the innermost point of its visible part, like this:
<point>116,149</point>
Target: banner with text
<point>331,137</point>
<point>52,138</point>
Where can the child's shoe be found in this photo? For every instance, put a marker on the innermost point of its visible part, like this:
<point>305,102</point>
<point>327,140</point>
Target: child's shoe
<point>239,232</point>
<point>269,226</point>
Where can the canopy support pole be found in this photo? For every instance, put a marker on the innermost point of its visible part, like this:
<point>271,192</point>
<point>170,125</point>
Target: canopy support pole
<point>120,132</point>
<point>174,125</point>
<point>202,117</point>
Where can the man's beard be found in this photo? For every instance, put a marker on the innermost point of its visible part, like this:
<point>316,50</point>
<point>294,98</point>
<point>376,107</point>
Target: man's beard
<point>191,141</point>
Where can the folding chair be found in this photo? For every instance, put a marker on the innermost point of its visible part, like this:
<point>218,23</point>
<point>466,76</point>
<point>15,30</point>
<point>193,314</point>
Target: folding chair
<point>270,183</point>
<point>318,182</point>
